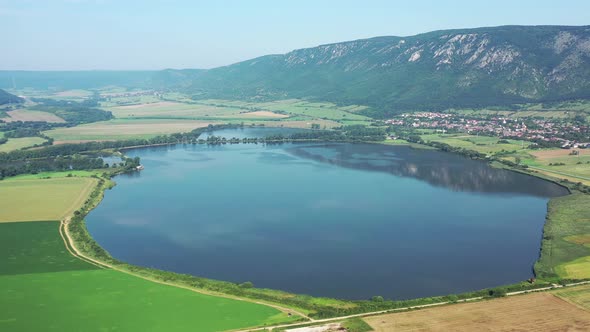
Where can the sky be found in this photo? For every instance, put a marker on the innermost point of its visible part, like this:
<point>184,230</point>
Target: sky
<point>158,34</point>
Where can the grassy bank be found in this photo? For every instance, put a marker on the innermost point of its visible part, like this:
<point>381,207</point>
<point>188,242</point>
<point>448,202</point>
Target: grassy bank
<point>565,252</point>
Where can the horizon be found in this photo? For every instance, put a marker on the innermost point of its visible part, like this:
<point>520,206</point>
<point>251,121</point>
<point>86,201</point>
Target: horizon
<point>103,35</point>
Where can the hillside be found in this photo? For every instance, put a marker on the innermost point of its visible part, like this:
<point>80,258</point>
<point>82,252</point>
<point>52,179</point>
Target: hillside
<point>7,98</point>
<point>436,70</point>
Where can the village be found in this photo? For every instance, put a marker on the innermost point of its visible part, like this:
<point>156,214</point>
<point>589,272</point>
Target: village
<point>565,133</point>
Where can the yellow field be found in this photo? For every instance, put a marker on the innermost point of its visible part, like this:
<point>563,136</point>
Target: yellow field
<point>123,129</point>
<point>531,312</point>
<point>576,269</point>
<point>28,115</point>
<point>42,199</point>
<point>19,143</point>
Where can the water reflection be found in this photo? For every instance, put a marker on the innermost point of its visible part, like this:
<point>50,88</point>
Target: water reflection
<point>437,168</point>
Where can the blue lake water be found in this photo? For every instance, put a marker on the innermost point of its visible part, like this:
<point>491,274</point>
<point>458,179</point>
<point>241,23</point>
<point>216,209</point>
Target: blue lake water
<point>339,220</point>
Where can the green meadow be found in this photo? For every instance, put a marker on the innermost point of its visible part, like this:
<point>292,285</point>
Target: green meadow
<point>566,252</point>
<point>20,143</point>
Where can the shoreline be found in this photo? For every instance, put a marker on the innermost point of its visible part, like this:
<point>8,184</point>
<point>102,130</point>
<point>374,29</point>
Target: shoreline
<point>257,294</point>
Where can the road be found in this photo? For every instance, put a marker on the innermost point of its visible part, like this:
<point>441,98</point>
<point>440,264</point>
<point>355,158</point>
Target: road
<point>373,313</point>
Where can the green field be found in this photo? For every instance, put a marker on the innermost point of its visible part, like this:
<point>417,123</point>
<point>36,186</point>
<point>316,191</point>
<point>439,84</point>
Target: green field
<point>564,252</point>
<point>19,143</point>
<point>35,247</point>
<point>44,288</point>
<point>559,163</point>
<point>51,175</point>
<point>42,199</point>
<point>175,110</point>
<point>299,109</point>
<point>483,144</point>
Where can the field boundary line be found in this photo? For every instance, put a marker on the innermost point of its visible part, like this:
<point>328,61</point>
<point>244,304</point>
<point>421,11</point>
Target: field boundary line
<point>423,306</point>
<point>559,173</point>
<point>67,245</point>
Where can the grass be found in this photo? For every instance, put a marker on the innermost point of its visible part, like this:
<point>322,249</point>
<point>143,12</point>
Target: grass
<point>44,288</point>
<point>576,269</point>
<point>35,247</point>
<point>175,110</point>
<point>299,108</point>
<point>562,255</point>
<point>579,295</point>
<point>483,144</point>
<point>51,175</point>
<point>559,163</point>
<point>20,143</point>
<point>531,312</point>
<point>356,325</point>
<point>120,129</point>
<point>106,300</point>
<point>42,199</point>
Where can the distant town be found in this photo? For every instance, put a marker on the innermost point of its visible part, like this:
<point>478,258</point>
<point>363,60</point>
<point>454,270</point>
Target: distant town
<point>565,133</point>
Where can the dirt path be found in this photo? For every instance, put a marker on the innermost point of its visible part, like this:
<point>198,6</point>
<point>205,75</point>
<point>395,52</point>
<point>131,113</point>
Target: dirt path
<point>71,247</point>
<point>373,313</point>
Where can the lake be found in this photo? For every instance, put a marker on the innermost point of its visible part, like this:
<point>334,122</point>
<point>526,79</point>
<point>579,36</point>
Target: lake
<point>339,220</point>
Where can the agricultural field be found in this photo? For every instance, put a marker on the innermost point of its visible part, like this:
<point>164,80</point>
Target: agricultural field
<point>30,115</point>
<point>558,163</point>
<point>300,109</point>
<point>119,129</point>
<point>20,143</point>
<point>483,144</point>
<point>579,295</point>
<point>531,312</point>
<point>561,163</point>
<point>45,288</point>
<point>51,175</point>
<point>73,95</point>
<point>565,252</point>
<point>42,199</point>
<point>175,110</point>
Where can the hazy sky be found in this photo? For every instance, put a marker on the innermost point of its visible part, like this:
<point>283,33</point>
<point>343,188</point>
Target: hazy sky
<point>156,34</point>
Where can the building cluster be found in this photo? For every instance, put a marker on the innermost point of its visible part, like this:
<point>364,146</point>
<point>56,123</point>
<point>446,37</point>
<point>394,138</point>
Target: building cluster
<point>550,130</point>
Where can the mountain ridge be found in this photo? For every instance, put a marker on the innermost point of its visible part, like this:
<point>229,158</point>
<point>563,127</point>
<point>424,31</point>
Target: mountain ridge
<point>441,69</point>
